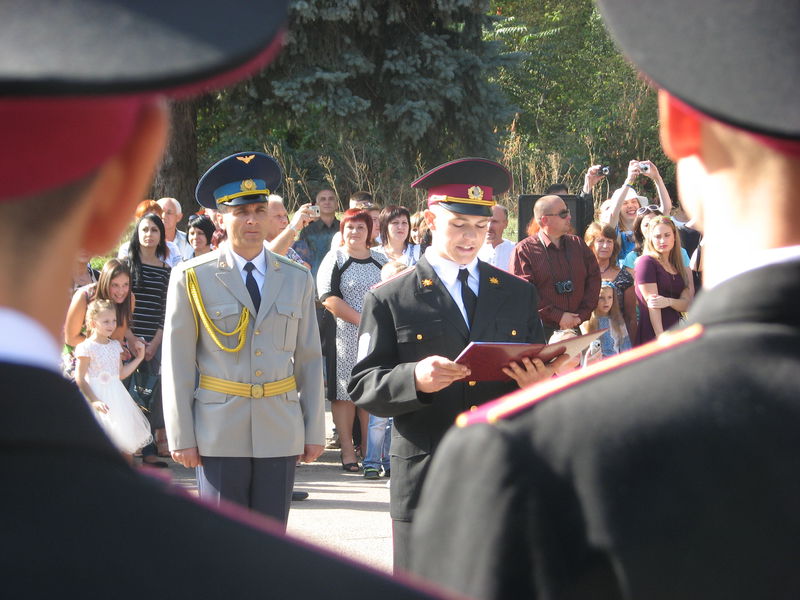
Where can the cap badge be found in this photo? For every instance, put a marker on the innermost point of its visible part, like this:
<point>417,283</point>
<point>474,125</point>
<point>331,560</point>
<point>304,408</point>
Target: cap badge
<point>247,184</point>
<point>427,283</point>
<point>246,159</point>
<point>494,281</point>
<point>475,193</point>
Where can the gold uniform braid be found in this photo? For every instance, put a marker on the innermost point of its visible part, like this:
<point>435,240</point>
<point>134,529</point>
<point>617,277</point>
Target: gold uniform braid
<point>199,310</point>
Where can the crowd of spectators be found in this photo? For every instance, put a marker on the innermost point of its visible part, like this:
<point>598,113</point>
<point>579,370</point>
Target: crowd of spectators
<point>627,272</point>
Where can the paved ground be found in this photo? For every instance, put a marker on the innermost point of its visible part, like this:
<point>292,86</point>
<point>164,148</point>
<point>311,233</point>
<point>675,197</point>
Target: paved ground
<point>344,512</point>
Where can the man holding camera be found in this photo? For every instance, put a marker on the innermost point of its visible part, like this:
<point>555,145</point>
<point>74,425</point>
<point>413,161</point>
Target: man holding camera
<point>560,265</point>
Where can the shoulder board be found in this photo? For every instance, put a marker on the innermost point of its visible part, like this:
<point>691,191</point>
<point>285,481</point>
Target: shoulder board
<point>197,260</point>
<point>402,273</point>
<point>287,261</point>
<point>204,258</point>
<point>516,402</point>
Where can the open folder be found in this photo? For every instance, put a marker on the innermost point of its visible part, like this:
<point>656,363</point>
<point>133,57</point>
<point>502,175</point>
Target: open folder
<point>487,359</point>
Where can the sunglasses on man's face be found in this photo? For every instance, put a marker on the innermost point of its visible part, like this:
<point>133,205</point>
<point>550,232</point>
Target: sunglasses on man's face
<point>563,214</point>
<point>647,209</point>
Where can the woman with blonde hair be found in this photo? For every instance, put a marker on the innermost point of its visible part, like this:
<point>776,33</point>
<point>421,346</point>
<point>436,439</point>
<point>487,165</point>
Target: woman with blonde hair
<point>663,289</point>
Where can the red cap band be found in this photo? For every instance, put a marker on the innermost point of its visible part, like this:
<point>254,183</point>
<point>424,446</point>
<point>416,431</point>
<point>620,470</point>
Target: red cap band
<point>459,192</point>
<point>784,146</point>
<point>52,142</point>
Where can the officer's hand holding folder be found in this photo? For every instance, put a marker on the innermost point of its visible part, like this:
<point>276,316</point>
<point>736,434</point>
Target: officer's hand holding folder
<point>486,360</point>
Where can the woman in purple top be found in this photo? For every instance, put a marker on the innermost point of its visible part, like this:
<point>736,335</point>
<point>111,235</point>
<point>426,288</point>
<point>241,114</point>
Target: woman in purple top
<point>662,282</point>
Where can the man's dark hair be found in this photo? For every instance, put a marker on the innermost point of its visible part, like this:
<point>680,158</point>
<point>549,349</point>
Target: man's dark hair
<point>557,188</point>
<point>361,196</point>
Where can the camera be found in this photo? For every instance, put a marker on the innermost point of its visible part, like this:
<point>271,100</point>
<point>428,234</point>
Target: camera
<point>644,167</point>
<point>604,170</point>
<point>564,287</point>
<point>314,211</point>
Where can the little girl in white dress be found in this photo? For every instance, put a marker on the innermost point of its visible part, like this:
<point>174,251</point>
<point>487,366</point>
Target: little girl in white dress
<point>98,374</point>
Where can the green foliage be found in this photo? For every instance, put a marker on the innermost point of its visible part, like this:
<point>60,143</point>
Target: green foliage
<point>579,101</point>
<point>408,81</point>
<point>369,94</point>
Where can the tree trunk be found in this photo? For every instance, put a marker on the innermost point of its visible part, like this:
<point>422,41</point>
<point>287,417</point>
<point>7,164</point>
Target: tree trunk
<point>177,175</point>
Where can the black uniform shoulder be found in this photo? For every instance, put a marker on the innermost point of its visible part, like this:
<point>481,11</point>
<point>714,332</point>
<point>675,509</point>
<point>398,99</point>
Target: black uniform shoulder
<point>394,282</point>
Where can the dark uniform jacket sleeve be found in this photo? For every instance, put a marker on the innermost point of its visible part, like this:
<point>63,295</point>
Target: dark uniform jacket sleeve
<point>384,384</point>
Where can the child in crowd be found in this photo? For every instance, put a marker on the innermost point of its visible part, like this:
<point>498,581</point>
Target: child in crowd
<point>380,428</point>
<point>608,315</point>
<point>98,376</point>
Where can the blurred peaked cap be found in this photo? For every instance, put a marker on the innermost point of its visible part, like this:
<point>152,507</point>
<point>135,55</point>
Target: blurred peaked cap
<point>75,75</point>
<point>466,185</point>
<point>241,178</point>
<point>737,61</point>
<point>88,47</point>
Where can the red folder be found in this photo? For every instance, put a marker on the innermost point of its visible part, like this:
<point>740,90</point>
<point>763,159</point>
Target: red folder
<point>487,359</point>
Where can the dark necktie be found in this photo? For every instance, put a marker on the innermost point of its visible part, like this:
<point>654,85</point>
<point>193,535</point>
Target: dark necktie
<point>468,297</point>
<point>252,286</point>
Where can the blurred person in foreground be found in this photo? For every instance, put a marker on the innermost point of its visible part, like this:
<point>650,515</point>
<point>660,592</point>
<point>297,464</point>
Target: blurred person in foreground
<point>85,524</point>
<point>668,471</point>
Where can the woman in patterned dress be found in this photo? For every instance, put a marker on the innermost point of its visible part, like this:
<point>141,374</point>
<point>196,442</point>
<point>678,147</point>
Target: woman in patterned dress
<point>344,277</point>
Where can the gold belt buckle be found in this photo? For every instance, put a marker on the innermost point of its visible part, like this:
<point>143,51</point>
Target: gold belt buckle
<point>257,390</point>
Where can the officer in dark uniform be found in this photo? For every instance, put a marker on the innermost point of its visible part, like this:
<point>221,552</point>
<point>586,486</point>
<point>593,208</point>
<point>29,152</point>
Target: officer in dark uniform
<point>670,471</point>
<point>83,125</point>
<point>415,324</point>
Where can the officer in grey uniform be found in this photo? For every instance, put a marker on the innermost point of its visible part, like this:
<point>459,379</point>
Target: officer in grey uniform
<point>244,317</point>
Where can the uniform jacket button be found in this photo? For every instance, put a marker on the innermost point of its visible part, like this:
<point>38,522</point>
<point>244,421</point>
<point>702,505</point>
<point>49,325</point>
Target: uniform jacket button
<point>259,373</point>
<point>472,383</point>
<point>419,336</point>
<point>258,352</point>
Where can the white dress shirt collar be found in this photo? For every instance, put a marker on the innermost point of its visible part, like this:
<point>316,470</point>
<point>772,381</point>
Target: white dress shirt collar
<point>260,264</point>
<point>26,342</point>
<point>447,271</point>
